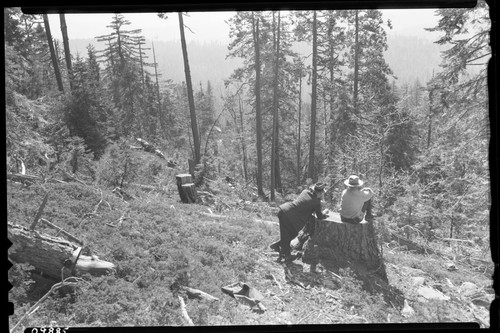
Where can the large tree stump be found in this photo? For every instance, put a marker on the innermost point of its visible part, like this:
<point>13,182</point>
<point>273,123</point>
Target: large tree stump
<point>338,245</point>
<point>186,188</point>
<point>51,256</point>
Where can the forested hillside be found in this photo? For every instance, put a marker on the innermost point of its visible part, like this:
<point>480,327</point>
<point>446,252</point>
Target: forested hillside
<point>410,58</point>
<point>96,135</point>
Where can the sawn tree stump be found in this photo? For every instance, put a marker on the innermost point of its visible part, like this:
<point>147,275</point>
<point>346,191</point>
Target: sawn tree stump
<point>186,188</point>
<point>338,245</point>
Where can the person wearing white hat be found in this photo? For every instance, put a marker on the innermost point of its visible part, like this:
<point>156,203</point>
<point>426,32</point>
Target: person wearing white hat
<point>355,201</point>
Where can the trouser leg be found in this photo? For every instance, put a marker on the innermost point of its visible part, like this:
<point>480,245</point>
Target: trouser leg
<point>287,233</point>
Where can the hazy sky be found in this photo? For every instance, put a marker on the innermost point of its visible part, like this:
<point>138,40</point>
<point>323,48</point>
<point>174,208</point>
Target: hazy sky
<point>210,26</point>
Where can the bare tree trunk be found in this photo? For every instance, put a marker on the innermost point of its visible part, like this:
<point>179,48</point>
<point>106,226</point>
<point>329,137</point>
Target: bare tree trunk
<point>192,111</point>
<point>275,143</point>
<point>160,114</point>
<point>53,55</point>
<point>312,141</point>
<point>243,144</point>
<point>258,113</point>
<point>356,64</point>
<point>299,130</point>
<point>67,53</point>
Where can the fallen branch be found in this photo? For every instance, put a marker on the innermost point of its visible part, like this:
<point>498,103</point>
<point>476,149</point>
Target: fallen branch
<point>276,280</point>
<point>40,211</point>
<point>184,312</point>
<point>303,318</point>
<point>60,230</point>
<point>16,177</point>
<point>69,176</point>
<point>54,288</point>
<point>191,292</point>
<point>214,215</point>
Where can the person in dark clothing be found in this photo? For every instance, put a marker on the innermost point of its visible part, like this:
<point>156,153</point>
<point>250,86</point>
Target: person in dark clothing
<point>294,215</point>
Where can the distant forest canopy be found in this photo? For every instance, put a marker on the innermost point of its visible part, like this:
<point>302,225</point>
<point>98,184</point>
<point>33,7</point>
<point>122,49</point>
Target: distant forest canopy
<point>410,57</point>
<point>269,116</point>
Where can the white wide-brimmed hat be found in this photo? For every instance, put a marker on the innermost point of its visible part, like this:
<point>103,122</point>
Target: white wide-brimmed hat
<point>353,181</point>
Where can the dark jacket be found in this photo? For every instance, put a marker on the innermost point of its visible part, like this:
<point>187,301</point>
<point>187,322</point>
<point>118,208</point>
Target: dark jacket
<point>300,210</point>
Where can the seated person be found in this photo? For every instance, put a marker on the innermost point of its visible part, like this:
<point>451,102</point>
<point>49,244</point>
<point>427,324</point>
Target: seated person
<point>355,201</point>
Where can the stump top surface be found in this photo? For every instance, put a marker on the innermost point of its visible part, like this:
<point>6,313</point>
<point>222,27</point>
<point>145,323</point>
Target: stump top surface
<point>334,217</point>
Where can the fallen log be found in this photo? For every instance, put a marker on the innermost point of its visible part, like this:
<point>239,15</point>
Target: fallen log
<point>412,246</point>
<point>29,179</point>
<point>51,256</point>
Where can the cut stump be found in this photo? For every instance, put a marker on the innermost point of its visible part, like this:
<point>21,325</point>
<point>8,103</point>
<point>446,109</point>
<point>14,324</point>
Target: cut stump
<point>338,245</point>
<point>186,188</point>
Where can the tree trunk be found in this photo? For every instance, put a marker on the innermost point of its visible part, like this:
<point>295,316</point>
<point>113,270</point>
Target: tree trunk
<point>192,111</point>
<point>49,255</point>
<point>298,131</point>
<point>275,143</point>
<point>53,55</point>
<point>242,138</point>
<point>312,141</point>
<point>160,114</point>
<point>356,64</point>
<point>258,113</point>
<point>337,245</point>
<point>67,53</point>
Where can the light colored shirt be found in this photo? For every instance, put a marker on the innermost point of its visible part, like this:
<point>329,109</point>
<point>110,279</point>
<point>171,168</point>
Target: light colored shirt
<point>352,201</point>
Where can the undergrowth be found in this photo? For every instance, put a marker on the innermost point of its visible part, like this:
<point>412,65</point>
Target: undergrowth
<point>157,242</point>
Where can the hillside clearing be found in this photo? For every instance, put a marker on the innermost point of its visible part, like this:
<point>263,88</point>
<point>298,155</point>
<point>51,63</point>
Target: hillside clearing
<point>161,238</point>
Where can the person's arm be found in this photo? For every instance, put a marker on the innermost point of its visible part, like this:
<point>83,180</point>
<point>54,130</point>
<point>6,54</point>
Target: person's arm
<point>367,193</point>
<point>317,210</point>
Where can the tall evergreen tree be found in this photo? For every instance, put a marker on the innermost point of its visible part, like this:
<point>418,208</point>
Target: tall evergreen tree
<point>189,87</point>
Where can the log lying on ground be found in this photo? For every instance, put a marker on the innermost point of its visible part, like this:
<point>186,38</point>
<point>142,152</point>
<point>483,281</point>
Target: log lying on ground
<point>49,255</point>
<point>339,245</point>
<point>30,179</point>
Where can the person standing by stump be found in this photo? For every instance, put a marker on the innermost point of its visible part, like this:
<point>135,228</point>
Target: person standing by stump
<point>294,215</point>
<point>356,202</point>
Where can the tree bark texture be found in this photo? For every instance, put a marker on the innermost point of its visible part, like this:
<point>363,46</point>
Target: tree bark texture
<point>51,256</point>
